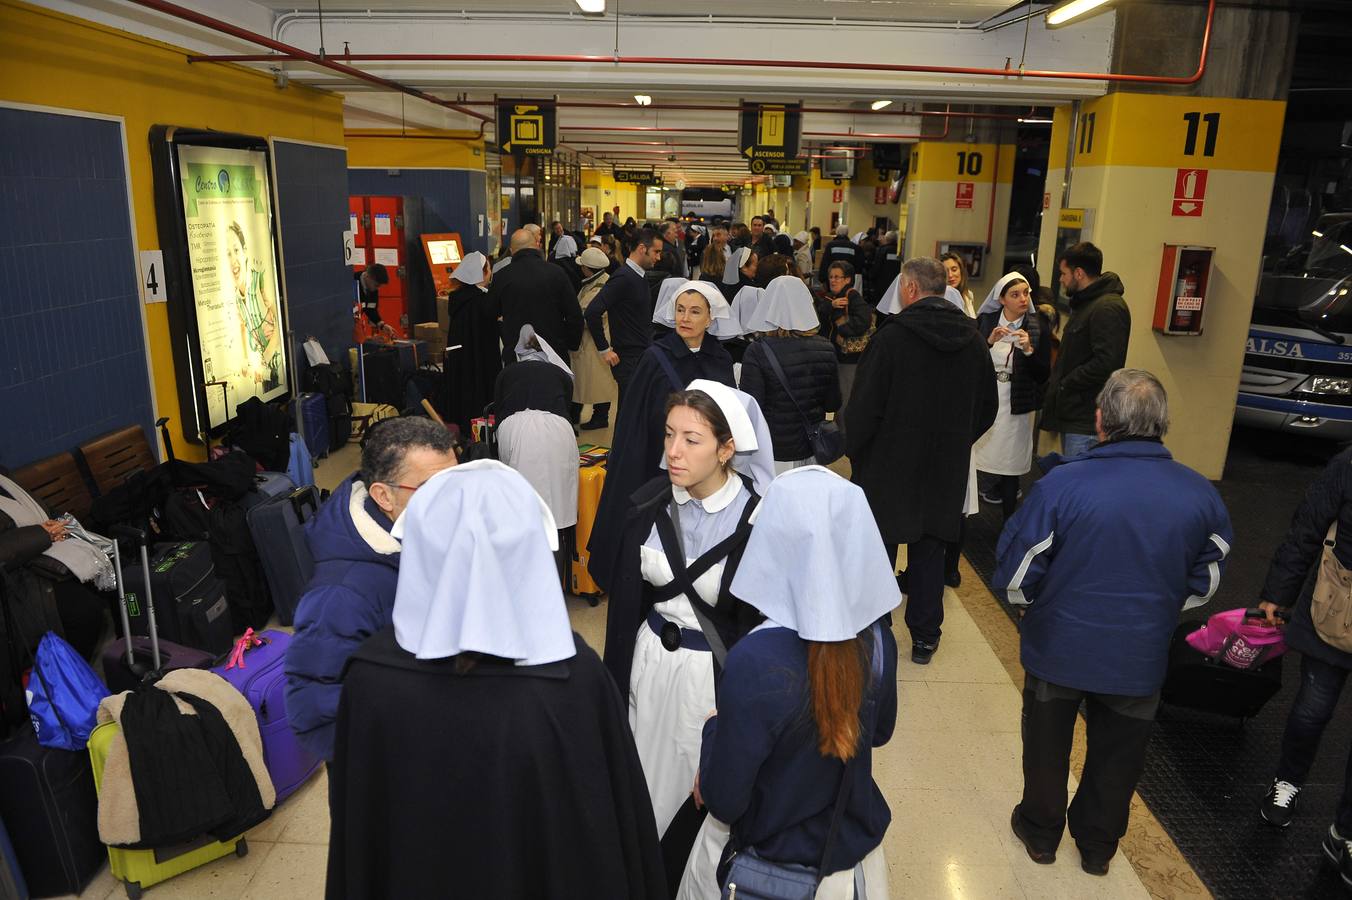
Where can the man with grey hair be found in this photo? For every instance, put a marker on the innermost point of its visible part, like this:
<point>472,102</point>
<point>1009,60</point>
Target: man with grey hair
<point>841,249</point>
<point>1107,550</point>
<point>351,594</point>
<point>923,393</point>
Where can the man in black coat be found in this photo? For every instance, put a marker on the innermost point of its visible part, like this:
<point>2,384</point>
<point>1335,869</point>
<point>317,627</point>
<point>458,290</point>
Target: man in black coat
<point>672,259</point>
<point>532,292</point>
<point>886,265</point>
<point>842,249</point>
<point>1093,346</point>
<point>925,391</point>
<point>628,301</point>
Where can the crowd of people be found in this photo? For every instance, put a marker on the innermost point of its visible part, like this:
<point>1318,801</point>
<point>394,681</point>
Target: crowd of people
<point>725,730</point>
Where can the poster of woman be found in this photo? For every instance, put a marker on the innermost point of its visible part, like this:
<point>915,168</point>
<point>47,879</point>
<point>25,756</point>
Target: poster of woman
<point>228,213</point>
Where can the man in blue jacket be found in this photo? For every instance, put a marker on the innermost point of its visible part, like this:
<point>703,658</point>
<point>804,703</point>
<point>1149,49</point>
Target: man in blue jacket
<point>1110,546</point>
<point>351,595</point>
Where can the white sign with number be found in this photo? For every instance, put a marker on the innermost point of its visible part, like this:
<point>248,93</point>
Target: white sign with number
<point>152,276</point>
<point>349,245</point>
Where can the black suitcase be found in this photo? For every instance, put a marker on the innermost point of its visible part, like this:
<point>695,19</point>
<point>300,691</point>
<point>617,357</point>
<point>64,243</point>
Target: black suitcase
<point>381,379</point>
<point>50,810</point>
<point>1197,681</point>
<point>190,600</point>
<point>129,661</point>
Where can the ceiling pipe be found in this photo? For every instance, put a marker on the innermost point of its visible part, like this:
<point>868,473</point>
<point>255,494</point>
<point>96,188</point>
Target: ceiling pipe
<point>755,107</point>
<point>753,63</point>
<point>299,54</point>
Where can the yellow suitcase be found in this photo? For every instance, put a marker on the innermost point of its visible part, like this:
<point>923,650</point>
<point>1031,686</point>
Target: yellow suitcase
<point>139,869</point>
<point>590,479</point>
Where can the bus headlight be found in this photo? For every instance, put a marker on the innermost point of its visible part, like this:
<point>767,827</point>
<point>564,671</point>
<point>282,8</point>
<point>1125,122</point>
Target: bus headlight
<point>1321,384</point>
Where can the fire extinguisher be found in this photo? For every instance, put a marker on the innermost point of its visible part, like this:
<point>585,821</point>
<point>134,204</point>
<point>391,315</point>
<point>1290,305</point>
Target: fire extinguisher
<point>1187,287</point>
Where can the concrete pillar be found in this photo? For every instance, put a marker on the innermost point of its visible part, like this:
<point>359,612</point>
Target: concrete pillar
<point>958,194</point>
<point>1119,176</point>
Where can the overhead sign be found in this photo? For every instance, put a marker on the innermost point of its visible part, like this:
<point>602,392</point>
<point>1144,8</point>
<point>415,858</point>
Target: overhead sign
<point>771,131</point>
<point>1189,192</point>
<point>965,193</point>
<point>796,165</point>
<point>636,176</point>
<point>527,127</point>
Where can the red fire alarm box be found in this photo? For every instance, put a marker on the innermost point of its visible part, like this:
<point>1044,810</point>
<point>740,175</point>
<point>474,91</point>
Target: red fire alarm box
<point>1185,277</point>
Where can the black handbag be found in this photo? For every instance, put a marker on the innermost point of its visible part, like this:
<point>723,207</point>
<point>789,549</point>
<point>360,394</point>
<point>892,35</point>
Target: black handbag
<point>825,439</point>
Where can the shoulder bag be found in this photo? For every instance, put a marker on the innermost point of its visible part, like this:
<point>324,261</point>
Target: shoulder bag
<point>823,437</point>
<point>859,343</point>
<point>752,877</point>
<point>1331,602</point>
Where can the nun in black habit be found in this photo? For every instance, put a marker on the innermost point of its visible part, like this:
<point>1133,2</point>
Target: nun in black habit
<point>482,750</point>
<point>473,353</point>
<point>672,361</point>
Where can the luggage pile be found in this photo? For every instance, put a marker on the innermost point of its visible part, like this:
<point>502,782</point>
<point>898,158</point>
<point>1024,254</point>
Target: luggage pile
<point>202,552</point>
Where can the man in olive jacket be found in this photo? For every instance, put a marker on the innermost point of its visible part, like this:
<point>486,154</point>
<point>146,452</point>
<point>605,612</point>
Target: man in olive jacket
<point>923,394</point>
<point>1093,346</point>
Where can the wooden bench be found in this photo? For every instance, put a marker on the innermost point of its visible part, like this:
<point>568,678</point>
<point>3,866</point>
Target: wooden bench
<point>114,457</point>
<point>56,482</point>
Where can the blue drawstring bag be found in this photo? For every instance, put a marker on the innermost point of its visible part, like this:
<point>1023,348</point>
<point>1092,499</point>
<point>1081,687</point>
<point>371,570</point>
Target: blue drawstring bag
<point>63,695</point>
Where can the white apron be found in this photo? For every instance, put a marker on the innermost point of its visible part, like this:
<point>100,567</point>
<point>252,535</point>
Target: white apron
<point>671,694</point>
<point>543,448</point>
<point>1007,448</point>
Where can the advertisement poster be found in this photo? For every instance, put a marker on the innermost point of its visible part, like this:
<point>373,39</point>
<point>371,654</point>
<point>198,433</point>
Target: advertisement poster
<point>227,209</point>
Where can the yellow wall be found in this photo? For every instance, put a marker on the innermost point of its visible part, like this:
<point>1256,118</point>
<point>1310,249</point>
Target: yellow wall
<point>933,215</point>
<point>603,193</point>
<point>1126,178</point>
<point>50,59</point>
<point>371,148</point>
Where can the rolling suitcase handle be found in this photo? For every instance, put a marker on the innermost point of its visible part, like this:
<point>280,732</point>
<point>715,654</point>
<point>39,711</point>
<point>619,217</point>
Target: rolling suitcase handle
<point>139,537</point>
<point>302,497</point>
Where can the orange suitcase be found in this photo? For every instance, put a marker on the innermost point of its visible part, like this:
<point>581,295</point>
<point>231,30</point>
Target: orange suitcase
<point>590,478</point>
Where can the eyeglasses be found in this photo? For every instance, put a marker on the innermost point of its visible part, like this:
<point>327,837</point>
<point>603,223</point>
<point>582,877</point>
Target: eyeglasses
<point>408,487</point>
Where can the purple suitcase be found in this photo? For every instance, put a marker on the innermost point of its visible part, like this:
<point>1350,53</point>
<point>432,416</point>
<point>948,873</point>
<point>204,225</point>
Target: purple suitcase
<point>259,674</point>
<point>131,660</point>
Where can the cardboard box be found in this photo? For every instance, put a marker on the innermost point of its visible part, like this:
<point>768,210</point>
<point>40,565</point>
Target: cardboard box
<point>435,337</point>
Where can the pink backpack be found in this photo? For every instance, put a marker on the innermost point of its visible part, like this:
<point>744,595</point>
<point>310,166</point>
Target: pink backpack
<point>1240,638</point>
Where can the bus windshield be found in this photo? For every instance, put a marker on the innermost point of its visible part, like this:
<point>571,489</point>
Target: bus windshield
<point>1314,294</point>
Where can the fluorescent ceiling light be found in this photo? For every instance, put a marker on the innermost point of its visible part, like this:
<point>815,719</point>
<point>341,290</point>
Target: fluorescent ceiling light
<point>640,99</point>
<point>1035,121</point>
<point>880,104</point>
<point>1067,11</point>
<point>592,6</point>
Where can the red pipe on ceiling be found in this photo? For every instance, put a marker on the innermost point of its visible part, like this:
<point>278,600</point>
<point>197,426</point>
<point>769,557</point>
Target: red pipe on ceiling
<point>747,63</point>
<point>327,62</point>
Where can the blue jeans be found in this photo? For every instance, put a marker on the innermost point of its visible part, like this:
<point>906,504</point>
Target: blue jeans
<point>1320,686</point>
<point>1075,444</point>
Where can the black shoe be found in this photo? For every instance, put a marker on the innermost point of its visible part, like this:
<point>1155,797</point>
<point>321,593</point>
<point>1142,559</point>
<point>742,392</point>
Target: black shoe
<point>1094,866</point>
<point>593,423</point>
<point>923,651</point>
<point>1279,803</point>
<point>953,579</point>
<point>1041,857</point>
<point>1335,846</point>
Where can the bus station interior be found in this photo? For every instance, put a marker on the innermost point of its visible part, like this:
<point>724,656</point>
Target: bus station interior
<point>1153,128</point>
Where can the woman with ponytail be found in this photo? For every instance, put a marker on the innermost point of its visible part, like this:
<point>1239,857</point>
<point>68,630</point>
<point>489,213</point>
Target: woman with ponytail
<point>806,697</point>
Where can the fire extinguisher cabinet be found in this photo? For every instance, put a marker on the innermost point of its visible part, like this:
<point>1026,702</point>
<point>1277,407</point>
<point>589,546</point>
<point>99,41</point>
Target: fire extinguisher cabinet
<point>1185,279</point>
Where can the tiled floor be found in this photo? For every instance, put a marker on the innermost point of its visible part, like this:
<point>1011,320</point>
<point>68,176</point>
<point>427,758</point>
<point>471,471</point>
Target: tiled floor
<point>951,774</point>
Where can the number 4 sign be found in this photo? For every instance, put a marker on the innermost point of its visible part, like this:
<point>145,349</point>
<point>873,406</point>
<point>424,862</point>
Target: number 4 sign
<point>152,276</point>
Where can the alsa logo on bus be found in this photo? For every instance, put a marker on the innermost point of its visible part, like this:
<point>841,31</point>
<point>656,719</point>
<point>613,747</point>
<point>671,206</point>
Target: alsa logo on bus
<point>1267,347</point>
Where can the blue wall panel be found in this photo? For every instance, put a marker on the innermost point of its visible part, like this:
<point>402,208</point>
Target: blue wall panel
<point>72,351</point>
<point>312,207</point>
<point>453,199</point>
